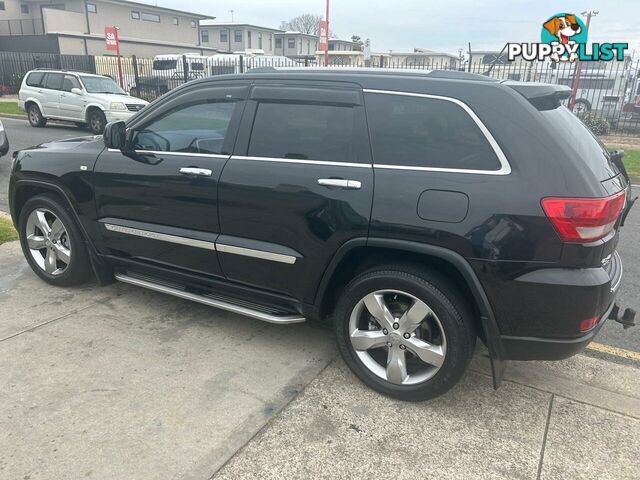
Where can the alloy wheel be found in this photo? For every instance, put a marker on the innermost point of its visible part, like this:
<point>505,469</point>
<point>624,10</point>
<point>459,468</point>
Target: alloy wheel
<point>48,241</point>
<point>397,337</point>
<point>34,116</point>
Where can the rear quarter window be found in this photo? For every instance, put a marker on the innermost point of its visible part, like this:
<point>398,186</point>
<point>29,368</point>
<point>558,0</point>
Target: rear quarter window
<point>426,132</point>
<point>34,79</point>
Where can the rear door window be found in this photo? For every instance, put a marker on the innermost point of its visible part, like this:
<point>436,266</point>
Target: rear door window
<point>303,131</point>
<point>53,81</point>
<point>426,132</point>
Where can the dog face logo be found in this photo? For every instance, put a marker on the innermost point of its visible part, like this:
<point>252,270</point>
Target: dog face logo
<point>563,27</point>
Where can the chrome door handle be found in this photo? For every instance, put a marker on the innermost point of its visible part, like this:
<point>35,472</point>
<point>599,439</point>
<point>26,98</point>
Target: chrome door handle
<point>340,183</point>
<point>205,172</point>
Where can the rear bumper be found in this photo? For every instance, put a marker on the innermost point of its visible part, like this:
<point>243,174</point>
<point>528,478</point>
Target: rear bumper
<point>535,348</point>
<point>597,293</point>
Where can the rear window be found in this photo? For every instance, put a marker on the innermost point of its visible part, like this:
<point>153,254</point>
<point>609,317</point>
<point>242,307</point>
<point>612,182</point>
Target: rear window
<point>165,64</point>
<point>426,132</point>
<point>582,140</point>
<point>34,79</point>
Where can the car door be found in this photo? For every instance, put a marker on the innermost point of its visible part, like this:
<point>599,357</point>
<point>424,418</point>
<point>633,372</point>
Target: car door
<point>299,185</point>
<point>51,94</point>
<point>157,201</point>
<point>71,105</point>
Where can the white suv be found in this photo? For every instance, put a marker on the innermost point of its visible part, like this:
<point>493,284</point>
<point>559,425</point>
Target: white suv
<point>82,98</point>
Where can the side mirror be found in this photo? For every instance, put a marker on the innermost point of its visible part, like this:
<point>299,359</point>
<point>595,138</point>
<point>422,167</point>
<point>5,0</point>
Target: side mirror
<point>115,135</point>
<point>76,91</point>
<point>4,141</point>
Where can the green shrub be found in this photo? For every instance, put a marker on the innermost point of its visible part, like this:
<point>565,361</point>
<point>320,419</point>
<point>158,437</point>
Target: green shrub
<point>597,124</point>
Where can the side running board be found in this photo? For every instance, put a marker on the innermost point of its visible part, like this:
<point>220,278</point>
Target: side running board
<point>212,301</point>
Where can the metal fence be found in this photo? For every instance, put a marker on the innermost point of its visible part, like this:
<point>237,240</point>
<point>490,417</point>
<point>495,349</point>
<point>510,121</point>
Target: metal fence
<point>607,95</point>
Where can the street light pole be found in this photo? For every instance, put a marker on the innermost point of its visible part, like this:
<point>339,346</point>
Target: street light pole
<point>326,49</point>
<point>576,78</point>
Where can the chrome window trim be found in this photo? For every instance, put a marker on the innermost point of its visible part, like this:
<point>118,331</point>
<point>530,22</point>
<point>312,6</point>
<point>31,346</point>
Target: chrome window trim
<point>164,237</point>
<point>175,154</point>
<point>250,252</point>
<point>505,167</point>
<point>295,160</point>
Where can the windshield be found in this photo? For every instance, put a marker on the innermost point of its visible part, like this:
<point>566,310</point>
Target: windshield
<point>165,64</point>
<point>101,85</point>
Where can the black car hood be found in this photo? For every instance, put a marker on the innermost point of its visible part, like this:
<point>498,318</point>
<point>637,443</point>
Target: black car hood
<point>70,143</point>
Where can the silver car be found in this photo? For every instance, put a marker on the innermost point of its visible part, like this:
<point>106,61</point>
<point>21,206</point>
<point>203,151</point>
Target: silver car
<point>81,98</point>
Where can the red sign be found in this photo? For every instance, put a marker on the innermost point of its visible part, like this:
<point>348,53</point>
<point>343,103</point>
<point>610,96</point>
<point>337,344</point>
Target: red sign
<point>111,38</point>
<point>324,36</point>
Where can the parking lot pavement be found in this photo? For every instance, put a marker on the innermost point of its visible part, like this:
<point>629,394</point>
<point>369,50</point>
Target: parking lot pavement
<point>121,383</point>
<point>531,428</point>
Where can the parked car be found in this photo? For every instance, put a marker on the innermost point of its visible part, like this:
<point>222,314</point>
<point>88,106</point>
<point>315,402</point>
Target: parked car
<point>81,98</point>
<point>417,211</point>
<point>4,141</point>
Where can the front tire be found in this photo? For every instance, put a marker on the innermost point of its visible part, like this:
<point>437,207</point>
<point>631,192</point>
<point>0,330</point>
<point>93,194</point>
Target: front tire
<point>35,116</point>
<point>97,121</point>
<point>52,242</point>
<point>405,332</point>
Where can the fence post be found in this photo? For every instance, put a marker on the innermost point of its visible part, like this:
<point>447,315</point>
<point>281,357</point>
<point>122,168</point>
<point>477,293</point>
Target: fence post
<point>241,66</point>
<point>185,68</point>
<point>136,74</point>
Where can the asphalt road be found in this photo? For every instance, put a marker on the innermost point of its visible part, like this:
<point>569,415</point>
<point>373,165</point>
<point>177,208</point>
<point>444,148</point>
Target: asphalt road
<point>22,135</point>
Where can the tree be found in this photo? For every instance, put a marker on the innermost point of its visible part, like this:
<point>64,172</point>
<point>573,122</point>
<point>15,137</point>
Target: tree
<point>306,23</point>
<point>358,44</point>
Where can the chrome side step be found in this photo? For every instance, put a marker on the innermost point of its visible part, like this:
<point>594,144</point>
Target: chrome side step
<point>212,302</point>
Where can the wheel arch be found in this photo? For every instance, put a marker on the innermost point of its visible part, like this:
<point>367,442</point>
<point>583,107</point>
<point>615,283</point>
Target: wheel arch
<point>30,101</point>
<point>26,189</point>
<point>358,255</point>
<point>90,108</point>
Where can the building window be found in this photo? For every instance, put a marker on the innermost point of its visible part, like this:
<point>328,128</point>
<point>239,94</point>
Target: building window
<point>150,17</point>
<point>92,8</point>
<point>291,43</point>
<point>278,42</point>
<point>204,36</point>
<point>135,15</point>
<point>308,47</point>
<point>24,8</point>
<point>237,36</point>
<point>193,24</point>
<point>300,45</point>
<point>249,39</point>
<point>224,36</point>
<point>270,42</point>
<point>2,6</point>
<point>260,41</point>
<point>176,21</point>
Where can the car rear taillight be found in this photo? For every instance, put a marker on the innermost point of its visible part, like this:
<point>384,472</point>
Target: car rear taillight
<point>584,219</point>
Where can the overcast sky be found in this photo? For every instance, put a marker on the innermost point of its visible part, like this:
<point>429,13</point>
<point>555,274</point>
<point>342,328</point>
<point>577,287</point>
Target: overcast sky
<point>435,24</point>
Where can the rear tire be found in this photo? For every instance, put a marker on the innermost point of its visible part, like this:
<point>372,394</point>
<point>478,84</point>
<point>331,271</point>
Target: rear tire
<point>35,116</point>
<point>395,357</point>
<point>97,121</point>
<point>52,242</point>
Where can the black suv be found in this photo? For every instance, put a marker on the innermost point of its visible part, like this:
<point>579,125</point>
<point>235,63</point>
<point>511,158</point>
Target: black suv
<point>417,210</point>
